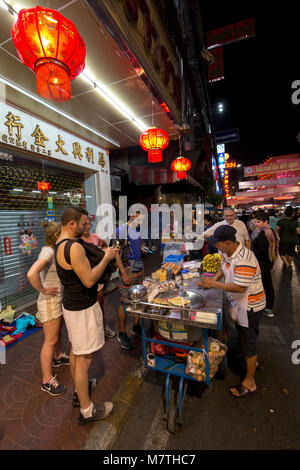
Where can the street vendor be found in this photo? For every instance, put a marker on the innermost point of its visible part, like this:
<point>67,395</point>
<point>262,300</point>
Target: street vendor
<point>245,292</point>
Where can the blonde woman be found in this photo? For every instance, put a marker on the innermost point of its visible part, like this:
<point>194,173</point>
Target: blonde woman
<point>43,277</point>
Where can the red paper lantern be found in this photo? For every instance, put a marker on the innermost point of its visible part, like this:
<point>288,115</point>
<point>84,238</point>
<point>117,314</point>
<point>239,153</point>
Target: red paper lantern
<point>50,45</point>
<point>44,186</point>
<point>181,165</point>
<point>154,140</point>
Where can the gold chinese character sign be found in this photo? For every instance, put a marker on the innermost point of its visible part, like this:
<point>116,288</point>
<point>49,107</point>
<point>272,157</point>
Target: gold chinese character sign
<point>77,150</point>
<point>13,121</point>
<point>39,136</point>
<point>60,144</point>
<point>101,160</point>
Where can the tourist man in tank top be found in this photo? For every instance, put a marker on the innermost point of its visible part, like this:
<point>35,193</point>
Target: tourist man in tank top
<point>81,310</point>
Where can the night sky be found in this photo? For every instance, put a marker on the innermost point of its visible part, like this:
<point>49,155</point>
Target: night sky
<point>259,72</point>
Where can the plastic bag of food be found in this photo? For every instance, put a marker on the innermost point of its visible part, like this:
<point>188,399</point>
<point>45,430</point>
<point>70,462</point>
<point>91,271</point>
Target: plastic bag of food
<point>195,363</point>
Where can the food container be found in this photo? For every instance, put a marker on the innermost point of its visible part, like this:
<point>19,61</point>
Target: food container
<point>151,360</point>
<point>137,292</point>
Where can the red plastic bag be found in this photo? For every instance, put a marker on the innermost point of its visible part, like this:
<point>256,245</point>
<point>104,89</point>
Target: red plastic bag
<point>159,349</point>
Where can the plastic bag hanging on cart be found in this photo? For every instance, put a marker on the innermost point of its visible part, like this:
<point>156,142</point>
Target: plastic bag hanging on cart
<point>195,363</point>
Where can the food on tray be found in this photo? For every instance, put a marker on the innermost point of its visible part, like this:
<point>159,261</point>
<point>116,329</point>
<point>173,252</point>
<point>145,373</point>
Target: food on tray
<point>160,301</point>
<point>179,301</point>
<point>164,286</point>
<point>175,268</point>
<point>211,263</point>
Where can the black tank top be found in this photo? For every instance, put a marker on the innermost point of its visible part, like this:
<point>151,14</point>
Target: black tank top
<point>76,295</point>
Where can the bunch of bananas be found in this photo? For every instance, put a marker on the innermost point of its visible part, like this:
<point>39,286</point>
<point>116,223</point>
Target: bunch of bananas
<point>211,263</point>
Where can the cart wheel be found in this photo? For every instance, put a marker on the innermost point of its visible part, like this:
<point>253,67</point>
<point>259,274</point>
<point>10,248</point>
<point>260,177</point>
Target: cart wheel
<point>172,415</point>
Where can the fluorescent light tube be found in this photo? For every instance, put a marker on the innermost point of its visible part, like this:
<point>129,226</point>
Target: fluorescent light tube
<point>68,116</point>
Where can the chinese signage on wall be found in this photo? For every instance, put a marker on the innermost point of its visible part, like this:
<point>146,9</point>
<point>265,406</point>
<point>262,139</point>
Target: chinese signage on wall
<point>230,33</point>
<point>284,165</point>
<point>27,132</point>
<point>216,70</point>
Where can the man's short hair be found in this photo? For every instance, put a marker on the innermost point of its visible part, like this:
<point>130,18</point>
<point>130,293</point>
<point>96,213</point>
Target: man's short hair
<point>208,217</point>
<point>73,213</point>
<point>224,233</point>
<point>289,211</point>
<point>228,209</point>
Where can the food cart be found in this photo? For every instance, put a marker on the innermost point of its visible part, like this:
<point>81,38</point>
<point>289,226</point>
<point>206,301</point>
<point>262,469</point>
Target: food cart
<point>200,313</point>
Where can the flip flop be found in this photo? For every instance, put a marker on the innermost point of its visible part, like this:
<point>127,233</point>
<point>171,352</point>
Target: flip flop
<point>243,391</point>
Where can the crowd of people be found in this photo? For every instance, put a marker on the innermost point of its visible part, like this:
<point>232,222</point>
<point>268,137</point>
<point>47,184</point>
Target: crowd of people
<point>74,265</point>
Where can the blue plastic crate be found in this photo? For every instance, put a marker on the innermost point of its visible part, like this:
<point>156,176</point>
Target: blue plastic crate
<point>174,258</point>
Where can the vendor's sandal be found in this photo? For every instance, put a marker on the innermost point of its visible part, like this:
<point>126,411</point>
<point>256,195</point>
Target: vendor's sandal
<point>243,391</point>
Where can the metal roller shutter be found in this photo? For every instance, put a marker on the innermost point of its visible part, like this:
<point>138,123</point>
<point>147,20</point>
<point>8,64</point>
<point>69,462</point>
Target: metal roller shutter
<point>24,210</point>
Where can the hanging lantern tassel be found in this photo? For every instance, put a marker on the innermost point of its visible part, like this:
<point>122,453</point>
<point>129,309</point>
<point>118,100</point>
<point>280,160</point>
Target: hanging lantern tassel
<point>50,45</point>
<point>53,81</point>
<point>154,141</point>
<point>181,165</point>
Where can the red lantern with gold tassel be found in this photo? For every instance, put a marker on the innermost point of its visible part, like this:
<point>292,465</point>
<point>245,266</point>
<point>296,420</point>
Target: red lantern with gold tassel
<point>50,45</point>
<point>181,165</point>
<point>154,140</point>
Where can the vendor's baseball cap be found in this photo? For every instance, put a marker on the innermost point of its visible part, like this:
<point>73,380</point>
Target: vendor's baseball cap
<point>225,233</point>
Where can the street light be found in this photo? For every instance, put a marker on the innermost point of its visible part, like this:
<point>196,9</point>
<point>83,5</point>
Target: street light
<point>220,108</point>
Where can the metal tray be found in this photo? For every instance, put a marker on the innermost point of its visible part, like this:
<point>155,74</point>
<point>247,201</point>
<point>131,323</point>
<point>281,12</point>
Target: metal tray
<point>197,300</point>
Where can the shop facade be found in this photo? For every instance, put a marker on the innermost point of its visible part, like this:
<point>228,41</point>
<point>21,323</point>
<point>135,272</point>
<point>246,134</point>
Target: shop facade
<point>33,151</point>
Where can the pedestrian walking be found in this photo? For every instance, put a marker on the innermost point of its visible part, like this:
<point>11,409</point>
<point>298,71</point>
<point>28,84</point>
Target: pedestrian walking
<point>242,234</point>
<point>246,296</point>
<point>93,238</point>
<point>273,219</point>
<point>43,277</point>
<point>252,225</point>
<point>297,218</point>
<point>81,309</point>
<point>265,248</point>
<point>287,229</point>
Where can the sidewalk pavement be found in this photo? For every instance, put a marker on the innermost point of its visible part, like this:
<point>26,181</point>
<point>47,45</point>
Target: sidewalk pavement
<point>34,420</point>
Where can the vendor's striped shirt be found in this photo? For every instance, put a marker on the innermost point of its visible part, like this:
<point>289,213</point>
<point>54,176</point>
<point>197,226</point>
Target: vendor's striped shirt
<point>247,274</point>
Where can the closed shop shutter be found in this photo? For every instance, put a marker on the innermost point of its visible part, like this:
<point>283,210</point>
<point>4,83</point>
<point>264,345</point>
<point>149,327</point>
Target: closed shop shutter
<point>22,208</point>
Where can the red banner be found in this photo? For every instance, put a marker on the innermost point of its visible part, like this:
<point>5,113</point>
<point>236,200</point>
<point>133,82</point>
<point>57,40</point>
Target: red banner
<point>216,70</point>
<point>231,33</point>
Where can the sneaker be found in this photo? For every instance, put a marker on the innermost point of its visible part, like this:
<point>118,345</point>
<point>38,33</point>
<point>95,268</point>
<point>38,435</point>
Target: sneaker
<point>137,330</point>
<point>109,332</point>
<point>92,386</point>
<point>124,340</point>
<point>62,361</point>
<point>53,387</point>
<point>100,411</point>
<point>268,312</point>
